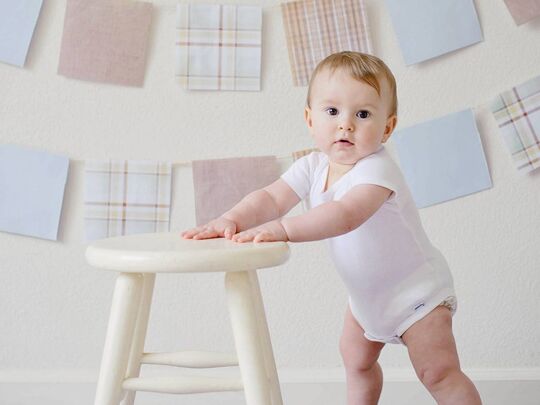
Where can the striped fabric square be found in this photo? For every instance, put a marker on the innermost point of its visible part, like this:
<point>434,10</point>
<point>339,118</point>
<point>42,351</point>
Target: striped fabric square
<point>124,197</point>
<point>218,47</point>
<point>317,28</point>
<point>517,112</point>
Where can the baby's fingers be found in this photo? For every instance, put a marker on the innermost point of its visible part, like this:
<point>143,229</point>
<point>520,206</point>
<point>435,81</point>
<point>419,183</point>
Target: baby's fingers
<point>190,233</point>
<point>228,233</point>
<point>243,237</point>
<point>207,234</point>
<point>263,237</point>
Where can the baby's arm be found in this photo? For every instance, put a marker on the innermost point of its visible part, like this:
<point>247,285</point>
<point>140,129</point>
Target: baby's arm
<point>256,208</point>
<point>324,221</point>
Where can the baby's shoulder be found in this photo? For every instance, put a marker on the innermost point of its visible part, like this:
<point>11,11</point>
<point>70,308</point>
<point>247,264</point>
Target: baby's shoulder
<point>380,160</point>
<point>313,160</point>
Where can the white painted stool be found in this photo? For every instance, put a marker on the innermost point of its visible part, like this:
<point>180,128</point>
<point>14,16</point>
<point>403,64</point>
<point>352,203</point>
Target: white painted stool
<point>138,258</point>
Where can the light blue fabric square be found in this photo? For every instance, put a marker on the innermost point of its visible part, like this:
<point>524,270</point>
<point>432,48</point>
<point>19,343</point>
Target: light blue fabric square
<point>429,28</point>
<point>17,22</point>
<point>442,159</point>
<point>32,186</point>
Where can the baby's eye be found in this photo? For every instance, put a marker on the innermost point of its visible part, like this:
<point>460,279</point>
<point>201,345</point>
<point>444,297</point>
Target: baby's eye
<point>363,114</point>
<point>332,111</point>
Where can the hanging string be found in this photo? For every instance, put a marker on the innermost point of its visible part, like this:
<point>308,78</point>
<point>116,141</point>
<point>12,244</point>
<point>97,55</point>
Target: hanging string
<point>172,7</point>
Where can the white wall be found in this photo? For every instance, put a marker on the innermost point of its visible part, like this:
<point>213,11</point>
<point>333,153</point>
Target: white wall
<point>54,307</point>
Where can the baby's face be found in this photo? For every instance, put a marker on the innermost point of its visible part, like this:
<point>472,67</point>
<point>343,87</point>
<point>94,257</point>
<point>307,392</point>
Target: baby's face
<point>347,118</point>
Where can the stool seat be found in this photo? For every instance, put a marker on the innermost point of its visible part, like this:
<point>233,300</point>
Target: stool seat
<point>170,253</point>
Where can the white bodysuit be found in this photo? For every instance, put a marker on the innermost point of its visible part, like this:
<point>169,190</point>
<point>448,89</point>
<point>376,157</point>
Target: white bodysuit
<point>393,274</point>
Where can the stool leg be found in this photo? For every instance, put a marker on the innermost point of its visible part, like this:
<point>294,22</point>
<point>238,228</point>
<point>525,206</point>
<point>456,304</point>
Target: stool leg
<point>124,308</point>
<point>249,349</point>
<point>141,326</point>
<point>264,335</point>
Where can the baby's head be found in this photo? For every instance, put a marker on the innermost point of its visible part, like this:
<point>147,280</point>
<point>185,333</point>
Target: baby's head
<point>351,105</point>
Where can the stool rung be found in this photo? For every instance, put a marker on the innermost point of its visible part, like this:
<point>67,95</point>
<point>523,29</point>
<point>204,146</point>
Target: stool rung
<point>183,384</point>
<point>191,359</point>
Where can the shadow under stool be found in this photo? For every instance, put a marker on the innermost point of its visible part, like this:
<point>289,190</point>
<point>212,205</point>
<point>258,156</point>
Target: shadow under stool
<point>138,258</point>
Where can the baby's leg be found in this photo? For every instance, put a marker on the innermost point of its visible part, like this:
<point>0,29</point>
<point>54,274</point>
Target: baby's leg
<point>433,353</point>
<point>364,374</point>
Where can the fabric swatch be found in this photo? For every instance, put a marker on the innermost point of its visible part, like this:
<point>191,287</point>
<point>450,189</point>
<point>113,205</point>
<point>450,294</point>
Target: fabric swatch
<point>32,184</point>
<point>18,20</point>
<point>442,159</point>
<point>124,197</point>
<point>105,41</point>
<point>517,112</point>
<point>218,47</point>
<point>426,28</point>
<point>523,10</point>
<point>220,184</point>
<point>315,29</point>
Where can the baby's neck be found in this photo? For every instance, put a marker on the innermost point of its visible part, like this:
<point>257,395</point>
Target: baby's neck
<point>335,172</point>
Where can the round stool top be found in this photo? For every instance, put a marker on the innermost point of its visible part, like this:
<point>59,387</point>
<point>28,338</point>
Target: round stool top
<point>170,253</point>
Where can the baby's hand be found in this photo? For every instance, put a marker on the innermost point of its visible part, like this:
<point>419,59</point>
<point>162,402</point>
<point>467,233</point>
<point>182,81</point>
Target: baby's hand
<point>217,228</point>
<point>271,231</point>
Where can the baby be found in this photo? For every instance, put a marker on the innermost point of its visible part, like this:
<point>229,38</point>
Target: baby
<point>400,287</point>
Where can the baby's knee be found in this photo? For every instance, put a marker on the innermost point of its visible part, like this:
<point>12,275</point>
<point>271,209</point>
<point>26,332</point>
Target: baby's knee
<point>435,375</point>
<point>359,356</point>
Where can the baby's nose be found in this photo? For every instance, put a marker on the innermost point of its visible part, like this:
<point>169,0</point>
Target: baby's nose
<point>346,126</point>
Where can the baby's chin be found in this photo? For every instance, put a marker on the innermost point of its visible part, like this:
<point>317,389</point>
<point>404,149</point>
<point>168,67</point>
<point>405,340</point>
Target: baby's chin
<point>349,159</point>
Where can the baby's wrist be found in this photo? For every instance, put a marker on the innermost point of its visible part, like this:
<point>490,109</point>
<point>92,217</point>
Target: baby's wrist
<point>281,222</point>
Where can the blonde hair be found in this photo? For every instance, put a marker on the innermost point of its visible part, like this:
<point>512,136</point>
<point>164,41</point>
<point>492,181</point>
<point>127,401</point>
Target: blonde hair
<point>362,67</point>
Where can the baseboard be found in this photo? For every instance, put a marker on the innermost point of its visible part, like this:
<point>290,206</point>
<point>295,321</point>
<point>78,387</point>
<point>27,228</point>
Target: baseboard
<point>299,387</point>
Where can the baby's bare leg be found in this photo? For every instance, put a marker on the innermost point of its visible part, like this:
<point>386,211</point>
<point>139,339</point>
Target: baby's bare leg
<point>433,353</point>
<point>364,374</point>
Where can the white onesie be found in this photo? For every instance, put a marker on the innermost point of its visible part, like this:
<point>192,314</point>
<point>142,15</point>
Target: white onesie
<point>393,274</point>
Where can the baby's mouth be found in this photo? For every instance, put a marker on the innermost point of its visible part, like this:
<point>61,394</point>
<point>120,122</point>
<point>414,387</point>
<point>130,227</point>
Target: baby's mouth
<point>344,141</point>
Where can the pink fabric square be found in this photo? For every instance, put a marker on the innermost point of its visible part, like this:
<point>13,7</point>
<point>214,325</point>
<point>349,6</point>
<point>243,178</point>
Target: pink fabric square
<point>220,184</point>
<point>105,41</point>
<point>523,10</point>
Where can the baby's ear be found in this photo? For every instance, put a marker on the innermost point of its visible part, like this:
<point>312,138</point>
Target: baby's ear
<point>307,117</point>
<point>391,123</point>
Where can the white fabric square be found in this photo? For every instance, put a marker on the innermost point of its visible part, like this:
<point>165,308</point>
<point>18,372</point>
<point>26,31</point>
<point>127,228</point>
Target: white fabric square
<point>218,47</point>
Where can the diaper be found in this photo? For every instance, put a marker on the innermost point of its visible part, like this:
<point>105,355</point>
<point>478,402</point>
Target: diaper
<point>449,302</point>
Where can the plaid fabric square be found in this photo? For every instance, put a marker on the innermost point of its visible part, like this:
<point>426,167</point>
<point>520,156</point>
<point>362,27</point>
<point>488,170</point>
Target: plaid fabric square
<point>317,28</point>
<point>126,197</point>
<point>523,10</point>
<point>517,112</point>
<point>218,47</point>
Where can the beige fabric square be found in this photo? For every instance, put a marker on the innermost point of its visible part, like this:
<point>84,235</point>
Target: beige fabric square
<point>105,41</point>
<point>220,184</point>
<point>523,10</point>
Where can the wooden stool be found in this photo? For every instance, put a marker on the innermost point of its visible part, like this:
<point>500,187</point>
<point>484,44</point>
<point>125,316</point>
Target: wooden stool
<point>138,258</point>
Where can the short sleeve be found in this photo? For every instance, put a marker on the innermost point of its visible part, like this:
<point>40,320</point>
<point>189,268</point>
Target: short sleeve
<point>379,169</point>
<point>299,177</point>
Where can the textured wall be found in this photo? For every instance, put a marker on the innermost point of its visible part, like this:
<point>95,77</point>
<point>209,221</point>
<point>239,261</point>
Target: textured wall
<point>54,308</point>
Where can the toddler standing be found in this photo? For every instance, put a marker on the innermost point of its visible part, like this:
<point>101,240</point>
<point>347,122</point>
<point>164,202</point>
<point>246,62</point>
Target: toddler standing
<point>400,287</point>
